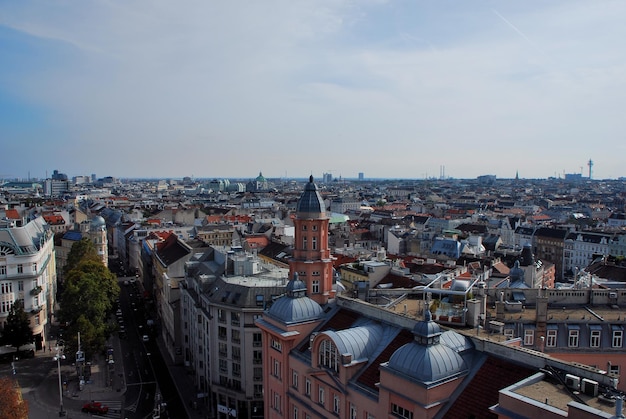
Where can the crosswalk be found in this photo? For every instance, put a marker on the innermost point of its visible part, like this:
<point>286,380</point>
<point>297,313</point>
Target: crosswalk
<point>115,409</point>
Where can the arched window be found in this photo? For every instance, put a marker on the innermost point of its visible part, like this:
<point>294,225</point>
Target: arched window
<point>328,355</point>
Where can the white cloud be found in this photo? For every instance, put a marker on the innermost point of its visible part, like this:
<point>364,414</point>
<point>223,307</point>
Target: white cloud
<point>380,90</point>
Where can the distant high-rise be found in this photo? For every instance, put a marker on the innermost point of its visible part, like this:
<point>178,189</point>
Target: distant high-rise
<point>361,176</point>
<point>590,164</point>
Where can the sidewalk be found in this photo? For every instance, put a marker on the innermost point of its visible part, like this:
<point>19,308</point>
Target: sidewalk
<point>184,385</point>
<point>105,384</point>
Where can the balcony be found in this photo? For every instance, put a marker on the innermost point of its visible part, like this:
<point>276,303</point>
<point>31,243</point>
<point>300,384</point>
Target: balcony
<point>36,290</point>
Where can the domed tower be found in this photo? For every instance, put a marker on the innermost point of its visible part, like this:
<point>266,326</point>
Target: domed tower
<point>98,234</point>
<point>427,359</point>
<point>516,273</point>
<point>311,254</point>
<point>295,306</point>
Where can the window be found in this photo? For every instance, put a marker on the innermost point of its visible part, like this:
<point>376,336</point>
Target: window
<point>20,269</point>
<point>223,366</point>
<point>37,319</point>
<point>551,338</point>
<point>235,318</point>
<point>320,395</point>
<point>401,412</point>
<point>235,336</point>
<point>353,411</point>
<point>572,340</point>
<point>314,243</point>
<point>315,286</point>
<point>236,369</point>
<point>34,267</point>
<point>223,349</point>
<point>20,285</point>
<point>257,373</point>
<point>307,387</point>
<point>509,333</point>
<point>236,353</point>
<point>257,357</point>
<point>295,412</point>
<point>303,227</point>
<point>221,333</point>
<point>277,369</point>
<point>594,340</point>
<point>276,405</point>
<point>3,270</point>
<point>258,390</point>
<point>314,227</point>
<point>336,404</point>
<point>221,316</point>
<point>304,243</point>
<point>529,337</point>
<point>617,338</point>
<point>294,379</point>
<point>328,355</point>
<point>276,344</point>
<point>257,339</point>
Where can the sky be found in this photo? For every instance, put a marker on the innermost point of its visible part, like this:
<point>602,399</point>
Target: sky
<point>393,89</point>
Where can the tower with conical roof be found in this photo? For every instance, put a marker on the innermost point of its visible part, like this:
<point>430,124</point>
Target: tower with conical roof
<point>311,254</point>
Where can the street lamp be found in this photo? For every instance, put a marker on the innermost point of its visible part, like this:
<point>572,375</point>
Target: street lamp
<point>59,356</point>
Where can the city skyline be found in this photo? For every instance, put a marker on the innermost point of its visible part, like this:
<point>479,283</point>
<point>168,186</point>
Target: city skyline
<point>397,90</point>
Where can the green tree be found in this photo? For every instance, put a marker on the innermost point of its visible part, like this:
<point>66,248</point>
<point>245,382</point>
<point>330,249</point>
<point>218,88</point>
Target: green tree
<point>17,331</point>
<point>81,251</point>
<point>87,299</point>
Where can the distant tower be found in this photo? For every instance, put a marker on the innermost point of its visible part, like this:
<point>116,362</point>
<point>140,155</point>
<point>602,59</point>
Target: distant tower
<point>311,255</point>
<point>590,164</point>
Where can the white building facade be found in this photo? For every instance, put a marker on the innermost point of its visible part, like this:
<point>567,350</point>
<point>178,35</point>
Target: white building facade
<point>28,274</point>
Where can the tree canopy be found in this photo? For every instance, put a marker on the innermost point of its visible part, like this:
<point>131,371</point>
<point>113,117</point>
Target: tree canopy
<point>12,406</point>
<point>88,298</point>
<point>82,250</point>
<point>17,330</point>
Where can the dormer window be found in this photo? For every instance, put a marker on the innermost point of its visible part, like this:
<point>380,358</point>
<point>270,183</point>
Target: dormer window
<point>328,356</point>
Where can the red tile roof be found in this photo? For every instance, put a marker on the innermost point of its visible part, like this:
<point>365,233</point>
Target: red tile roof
<point>12,214</point>
<point>54,219</point>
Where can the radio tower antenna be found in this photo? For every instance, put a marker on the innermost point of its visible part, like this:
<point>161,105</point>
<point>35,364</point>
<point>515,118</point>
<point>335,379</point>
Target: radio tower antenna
<point>590,164</point>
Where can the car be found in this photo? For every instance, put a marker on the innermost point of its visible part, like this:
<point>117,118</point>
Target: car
<point>145,338</point>
<point>95,407</point>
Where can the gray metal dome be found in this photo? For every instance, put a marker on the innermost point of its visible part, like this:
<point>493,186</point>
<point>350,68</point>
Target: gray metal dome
<point>295,310</point>
<point>427,360</point>
<point>295,306</point>
<point>311,204</point>
<point>427,364</point>
<point>97,223</point>
<point>296,287</point>
<point>516,273</point>
<point>426,330</point>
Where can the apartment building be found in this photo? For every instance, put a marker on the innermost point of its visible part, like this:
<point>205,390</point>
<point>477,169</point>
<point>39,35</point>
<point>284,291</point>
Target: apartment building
<point>224,293</point>
<point>581,248</point>
<point>28,273</point>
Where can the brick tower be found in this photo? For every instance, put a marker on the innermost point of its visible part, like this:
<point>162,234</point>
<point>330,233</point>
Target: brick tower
<point>311,254</point>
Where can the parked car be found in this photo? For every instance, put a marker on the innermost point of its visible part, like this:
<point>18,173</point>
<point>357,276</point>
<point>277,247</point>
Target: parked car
<point>95,407</point>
